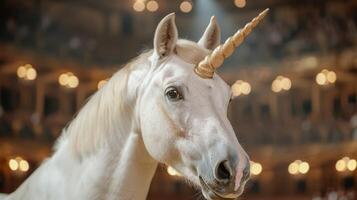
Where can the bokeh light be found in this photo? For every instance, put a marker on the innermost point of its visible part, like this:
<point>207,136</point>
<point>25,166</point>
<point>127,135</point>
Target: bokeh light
<point>241,87</point>
<point>139,6</point>
<point>24,165</point>
<point>304,167</point>
<point>13,165</point>
<point>326,77</point>
<point>346,164</point>
<point>101,83</point>
<point>19,163</point>
<point>255,168</point>
<point>68,80</point>
<point>26,72</point>
<point>340,165</point>
<point>240,3</point>
<point>152,6</point>
<point>298,167</point>
<point>186,6</point>
<point>281,83</point>
<point>293,168</point>
<point>172,172</point>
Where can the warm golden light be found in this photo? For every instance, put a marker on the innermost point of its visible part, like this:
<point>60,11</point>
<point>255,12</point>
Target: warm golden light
<point>73,81</point>
<point>255,168</point>
<point>275,86</point>
<point>139,6</point>
<point>304,167</point>
<point>21,72</point>
<point>245,88</point>
<point>68,80</point>
<point>186,6</point>
<point>352,165</point>
<point>19,164</point>
<point>236,90</point>
<point>172,172</point>
<point>331,77</point>
<point>63,79</point>
<point>152,6</point>
<point>27,72</point>
<point>345,164</point>
<point>31,74</point>
<point>321,79</point>
<point>101,83</point>
<point>13,165</point>
<point>281,83</point>
<point>286,83</point>
<point>241,87</point>
<point>24,165</point>
<point>293,168</point>
<point>240,3</point>
<point>326,77</point>
<point>340,165</point>
<point>298,167</point>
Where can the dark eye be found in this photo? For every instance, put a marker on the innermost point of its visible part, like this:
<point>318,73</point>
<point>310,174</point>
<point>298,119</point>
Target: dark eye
<point>173,94</point>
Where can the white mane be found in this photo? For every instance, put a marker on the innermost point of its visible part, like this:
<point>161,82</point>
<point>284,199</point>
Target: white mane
<point>98,122</point>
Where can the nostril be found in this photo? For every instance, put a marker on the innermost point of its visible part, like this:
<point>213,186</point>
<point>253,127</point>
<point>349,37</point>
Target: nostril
<point>223,171</point>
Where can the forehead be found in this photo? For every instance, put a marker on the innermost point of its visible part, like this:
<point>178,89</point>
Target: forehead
<point>180,68</point>
<point>190,51</point>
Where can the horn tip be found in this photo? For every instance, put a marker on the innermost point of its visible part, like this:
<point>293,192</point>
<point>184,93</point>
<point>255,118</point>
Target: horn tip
<point>265,11</point>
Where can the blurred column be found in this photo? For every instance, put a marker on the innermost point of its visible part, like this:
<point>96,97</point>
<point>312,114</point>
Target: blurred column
<point>329,97</point>
<point>273,104</point>
<point>113,23</point>
<point>25,96</point>
<point>40,101</point>
<point>65,102</point>
<point>345,107</point>
<point>266,179</point>
<point>314,180</point>
<point>316,100</point>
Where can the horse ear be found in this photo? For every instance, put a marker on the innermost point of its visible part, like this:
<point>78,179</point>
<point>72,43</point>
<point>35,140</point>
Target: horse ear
<point>165,36</point>
<point>211,38</point>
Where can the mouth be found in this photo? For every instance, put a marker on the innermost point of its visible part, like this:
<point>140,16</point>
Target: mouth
<point>211,194</point>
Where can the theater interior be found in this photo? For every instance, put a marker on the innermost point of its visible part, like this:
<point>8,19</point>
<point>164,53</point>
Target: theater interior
<point>295,78</point>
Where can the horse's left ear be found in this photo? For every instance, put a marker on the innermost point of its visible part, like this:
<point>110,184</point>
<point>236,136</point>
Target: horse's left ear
<point>211,38</point>
<point>165,36</point>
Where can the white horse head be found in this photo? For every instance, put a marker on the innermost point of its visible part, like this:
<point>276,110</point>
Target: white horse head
<point>167,106</point>
<point>183,116</point>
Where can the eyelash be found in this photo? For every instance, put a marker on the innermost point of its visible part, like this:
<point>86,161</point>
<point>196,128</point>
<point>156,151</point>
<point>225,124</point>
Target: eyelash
<point>178,94</point>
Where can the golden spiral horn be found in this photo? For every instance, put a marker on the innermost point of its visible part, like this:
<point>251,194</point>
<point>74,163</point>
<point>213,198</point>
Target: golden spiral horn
<point>210,63</point>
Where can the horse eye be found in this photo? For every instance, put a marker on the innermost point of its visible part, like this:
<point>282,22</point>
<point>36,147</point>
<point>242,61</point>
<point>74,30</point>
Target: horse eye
<point>173,94</point>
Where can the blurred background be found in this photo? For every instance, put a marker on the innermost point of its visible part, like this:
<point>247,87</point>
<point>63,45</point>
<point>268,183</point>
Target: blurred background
<point>295,77</point>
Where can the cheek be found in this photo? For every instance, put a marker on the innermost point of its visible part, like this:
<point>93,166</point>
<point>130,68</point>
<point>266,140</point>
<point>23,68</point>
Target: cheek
<point>158,133</point>
<point>189,150</point>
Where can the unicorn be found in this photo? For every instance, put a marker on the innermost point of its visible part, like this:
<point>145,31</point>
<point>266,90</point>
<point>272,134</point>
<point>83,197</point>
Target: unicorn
<point>166,106</point>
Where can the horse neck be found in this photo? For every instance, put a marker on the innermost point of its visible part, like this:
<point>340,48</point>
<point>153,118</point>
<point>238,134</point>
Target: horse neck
<point>101,155</point>
<point>134,171</point>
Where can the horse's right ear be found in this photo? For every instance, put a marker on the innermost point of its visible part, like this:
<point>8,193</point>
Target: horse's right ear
<point>212,36</point>
<point>165,36</point>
